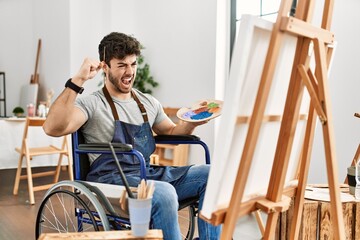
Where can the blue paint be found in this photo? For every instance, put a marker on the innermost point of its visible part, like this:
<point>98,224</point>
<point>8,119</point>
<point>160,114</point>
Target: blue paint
<point>201,115</point>
<point>188,114</point>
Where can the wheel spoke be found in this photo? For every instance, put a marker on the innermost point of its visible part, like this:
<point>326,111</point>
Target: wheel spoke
<point>63,211</point>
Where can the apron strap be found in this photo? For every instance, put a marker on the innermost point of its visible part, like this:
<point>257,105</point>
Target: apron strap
<point>113,108</point>
<point>141,106</point>
<point>111,103</point>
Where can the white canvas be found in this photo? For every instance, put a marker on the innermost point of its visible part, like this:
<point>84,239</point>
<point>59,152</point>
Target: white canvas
<point>247,64</point>
<point>29,93</point>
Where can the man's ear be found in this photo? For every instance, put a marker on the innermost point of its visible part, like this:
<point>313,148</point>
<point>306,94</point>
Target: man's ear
<point>104,66</point>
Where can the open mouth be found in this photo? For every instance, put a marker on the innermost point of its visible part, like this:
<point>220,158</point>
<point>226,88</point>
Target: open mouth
<point>126,80</point>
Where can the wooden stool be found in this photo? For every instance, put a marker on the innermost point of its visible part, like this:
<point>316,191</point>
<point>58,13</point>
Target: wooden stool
<point>316,220</point>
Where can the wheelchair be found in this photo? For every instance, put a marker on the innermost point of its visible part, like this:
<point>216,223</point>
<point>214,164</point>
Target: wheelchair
<point>80,206</point>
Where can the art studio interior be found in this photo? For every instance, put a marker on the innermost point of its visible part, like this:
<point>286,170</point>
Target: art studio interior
<point>261,95</point>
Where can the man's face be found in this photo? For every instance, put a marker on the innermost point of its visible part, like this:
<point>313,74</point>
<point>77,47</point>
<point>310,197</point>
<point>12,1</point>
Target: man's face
<point>122,73</point>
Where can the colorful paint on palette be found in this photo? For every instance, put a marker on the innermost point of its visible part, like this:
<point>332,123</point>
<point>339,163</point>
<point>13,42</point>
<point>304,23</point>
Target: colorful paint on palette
<point>213,105</point>
<point>201,115</point>
<point>188,114</point>
<point>205,110</point>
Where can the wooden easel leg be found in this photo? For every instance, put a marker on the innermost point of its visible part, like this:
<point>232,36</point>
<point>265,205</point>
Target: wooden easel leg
<point>270,225</point>
<point>329,142</point>
<point>356,157</point>
<point>260,222</point>
<point>287,132</point>
<point>303,174</point>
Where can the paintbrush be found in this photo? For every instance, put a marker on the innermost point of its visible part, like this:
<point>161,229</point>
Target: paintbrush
<point>150,189</point>
<point>142,189</point>
<point>123,178</point>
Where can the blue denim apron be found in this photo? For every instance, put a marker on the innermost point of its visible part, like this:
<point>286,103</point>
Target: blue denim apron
<point>104,168</point>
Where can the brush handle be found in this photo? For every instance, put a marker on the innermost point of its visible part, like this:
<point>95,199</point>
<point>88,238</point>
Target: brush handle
<point>123,178</point>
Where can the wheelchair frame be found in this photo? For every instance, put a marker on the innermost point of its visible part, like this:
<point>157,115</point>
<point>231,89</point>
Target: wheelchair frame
<point>93,210</point>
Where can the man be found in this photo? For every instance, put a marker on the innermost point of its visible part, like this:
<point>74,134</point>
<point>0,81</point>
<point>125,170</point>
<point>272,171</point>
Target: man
<point>119,113</point>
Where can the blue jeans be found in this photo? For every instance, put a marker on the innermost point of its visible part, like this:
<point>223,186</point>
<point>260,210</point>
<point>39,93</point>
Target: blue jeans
<point>165,203</point>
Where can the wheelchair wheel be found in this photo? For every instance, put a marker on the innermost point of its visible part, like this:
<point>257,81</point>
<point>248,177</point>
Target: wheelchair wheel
<point>187,219</point>
<point>70,207</point>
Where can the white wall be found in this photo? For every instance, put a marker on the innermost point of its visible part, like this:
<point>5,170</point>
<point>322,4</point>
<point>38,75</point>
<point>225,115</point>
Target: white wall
<point>17,47</point>
<point>86,33</point>
<point>51,24</point>
<point>344,85</point>
<point>22,24</point>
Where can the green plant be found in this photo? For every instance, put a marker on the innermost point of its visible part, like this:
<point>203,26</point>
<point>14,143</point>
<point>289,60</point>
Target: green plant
<point>18,111</point>
<point>144,81</point>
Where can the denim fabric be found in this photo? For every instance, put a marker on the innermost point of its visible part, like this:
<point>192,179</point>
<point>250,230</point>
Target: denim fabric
<point>194,184</point>
<point>165,205</point>
<point>171,183</point>
<point>140,137</point>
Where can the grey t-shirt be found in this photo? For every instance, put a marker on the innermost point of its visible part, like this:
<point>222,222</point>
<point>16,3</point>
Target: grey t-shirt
<point>100,124</point>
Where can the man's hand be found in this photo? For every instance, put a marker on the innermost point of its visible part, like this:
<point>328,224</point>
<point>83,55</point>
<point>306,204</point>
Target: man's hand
<point>88,70</point>
<point>195,124</point>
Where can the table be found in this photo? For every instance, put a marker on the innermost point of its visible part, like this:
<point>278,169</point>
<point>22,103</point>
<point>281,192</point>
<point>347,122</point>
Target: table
<point>11,134</point>
<point>153,234</point>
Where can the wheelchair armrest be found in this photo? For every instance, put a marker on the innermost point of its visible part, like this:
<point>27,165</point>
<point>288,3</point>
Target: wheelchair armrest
<point>161,138</point>
<point>188,202</point>
<point>183,139</point>
<point>105,146</point>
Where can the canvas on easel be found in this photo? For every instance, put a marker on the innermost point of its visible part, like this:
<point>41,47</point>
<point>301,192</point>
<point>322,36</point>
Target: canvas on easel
<point>249,55</point>
<point>261,156</point>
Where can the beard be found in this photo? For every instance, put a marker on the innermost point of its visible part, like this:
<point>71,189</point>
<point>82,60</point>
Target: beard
<point>123,86</point>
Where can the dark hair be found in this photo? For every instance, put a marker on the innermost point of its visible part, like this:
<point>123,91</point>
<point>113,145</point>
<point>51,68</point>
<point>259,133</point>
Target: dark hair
<point>118,45</point>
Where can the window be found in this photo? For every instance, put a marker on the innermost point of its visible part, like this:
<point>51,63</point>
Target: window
<point>266,9</point>
<point>262,8</point>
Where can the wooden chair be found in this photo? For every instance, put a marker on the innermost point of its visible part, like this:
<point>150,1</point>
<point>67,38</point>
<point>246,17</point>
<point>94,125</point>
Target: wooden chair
<point>28,153</point>
<point>178,154</point>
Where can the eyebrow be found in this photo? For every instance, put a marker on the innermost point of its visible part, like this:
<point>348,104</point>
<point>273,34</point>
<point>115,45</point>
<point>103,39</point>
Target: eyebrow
<point>124,63</point>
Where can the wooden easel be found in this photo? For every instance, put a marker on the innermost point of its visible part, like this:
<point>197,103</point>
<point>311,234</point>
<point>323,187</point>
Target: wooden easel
<point>35,76</point>
<point>277,198</point>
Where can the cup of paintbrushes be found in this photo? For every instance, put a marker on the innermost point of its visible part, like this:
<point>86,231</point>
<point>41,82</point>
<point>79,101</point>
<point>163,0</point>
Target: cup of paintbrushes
<point>140,208</point>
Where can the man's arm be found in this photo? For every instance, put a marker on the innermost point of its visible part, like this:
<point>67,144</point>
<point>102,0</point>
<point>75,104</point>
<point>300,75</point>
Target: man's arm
<point>63,117</point>
<point>167,127</point>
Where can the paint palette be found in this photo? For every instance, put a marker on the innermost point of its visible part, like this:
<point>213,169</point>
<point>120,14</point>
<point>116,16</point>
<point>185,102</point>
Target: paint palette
<point>201,111</point>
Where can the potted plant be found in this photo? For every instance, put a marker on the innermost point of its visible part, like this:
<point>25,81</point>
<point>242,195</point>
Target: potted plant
<point>18,111</point>
<point>144,82</point>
